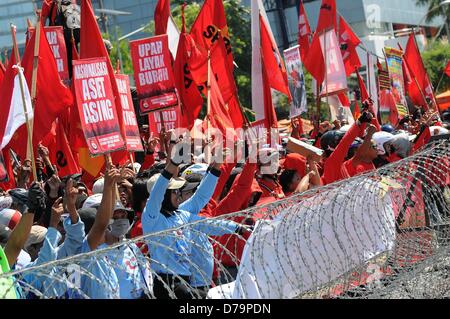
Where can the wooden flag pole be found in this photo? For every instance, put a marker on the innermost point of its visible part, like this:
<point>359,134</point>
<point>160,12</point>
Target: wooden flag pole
<point>36,59</point>
<point>208,104</point>
<point>24,103</point>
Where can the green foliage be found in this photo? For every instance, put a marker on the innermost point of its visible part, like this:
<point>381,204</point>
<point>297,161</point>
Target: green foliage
<point>435,9</point>
<point>124,48</point>
<point>435,58</point>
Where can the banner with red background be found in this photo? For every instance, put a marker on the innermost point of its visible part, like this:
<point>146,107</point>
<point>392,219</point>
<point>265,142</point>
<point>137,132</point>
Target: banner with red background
<point>95,101</point>
<point>153,74</point>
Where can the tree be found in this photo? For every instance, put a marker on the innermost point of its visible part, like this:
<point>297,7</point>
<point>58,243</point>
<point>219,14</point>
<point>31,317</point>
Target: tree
<point>435,9</point>
<point>435,58</point>
<point>124,47</point>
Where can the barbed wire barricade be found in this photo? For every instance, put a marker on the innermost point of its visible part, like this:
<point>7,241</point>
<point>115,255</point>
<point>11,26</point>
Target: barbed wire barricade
<point>384,234</point>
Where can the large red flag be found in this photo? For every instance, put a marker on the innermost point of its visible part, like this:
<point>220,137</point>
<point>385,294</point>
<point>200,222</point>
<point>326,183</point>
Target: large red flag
<point>60,152</point>
<point>327,16</point>
<point>52,96</point>
<point>218,116</point>
<point>348,41</point>
<point>412,88</point>
<point>161,16</point>
<point>270,116</point>
<point>272,62</point>
<point>447,69</point>
<point>416,68</point>
<point>314,62</point>
<point>210,23</point>
<point>304,32</point>
<point>191,100</point>
<point>92,46</point>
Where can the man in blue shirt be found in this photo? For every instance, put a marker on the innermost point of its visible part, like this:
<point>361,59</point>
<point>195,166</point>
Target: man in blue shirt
<point>171,253</point>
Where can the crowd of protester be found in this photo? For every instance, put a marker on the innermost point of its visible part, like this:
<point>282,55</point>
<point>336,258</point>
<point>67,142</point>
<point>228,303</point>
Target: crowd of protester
<point>63,216</point>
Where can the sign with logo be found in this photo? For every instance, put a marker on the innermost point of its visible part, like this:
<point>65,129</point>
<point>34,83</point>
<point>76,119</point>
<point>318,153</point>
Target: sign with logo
<point>95,101</point>
<point>153,74</point>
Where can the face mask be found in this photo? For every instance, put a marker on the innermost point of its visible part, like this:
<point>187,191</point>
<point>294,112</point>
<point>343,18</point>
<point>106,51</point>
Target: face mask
<point>120,227</point>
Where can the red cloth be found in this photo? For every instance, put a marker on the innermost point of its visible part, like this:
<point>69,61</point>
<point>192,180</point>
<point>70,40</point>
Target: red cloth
<point>210,24</point>
<point>271,191</point>
<point>224,175</point>
<point>304,32</point>
<point>447,69</point>
<point>348,42</point>
<point>358,169</point>
<point>162,14</point>
<point>295,162</point>
<point>272,61</point>
<point>190,98</point>
<point>136,231</point>
<point>149,160</point>
<point>422,83</point>
<point>236,200</point>
<point>327,16</point>
<point>423,139</point>
<point>314,62</point>
<point>334,168</point>
<point>92,46</point>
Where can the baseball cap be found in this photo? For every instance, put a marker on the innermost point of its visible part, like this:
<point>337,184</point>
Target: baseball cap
<point>174,183</point>
<point>93,201</point>
<point>98,186</point>
<point>196,169</point>
<point>37,235</point>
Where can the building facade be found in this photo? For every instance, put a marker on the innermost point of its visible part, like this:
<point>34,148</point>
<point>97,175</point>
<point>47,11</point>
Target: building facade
<point>377,22</point>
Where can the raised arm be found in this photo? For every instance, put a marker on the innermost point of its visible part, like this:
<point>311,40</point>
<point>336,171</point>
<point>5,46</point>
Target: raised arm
<point>28,207</point>
<point>104,213</point>
<point>367,144</point>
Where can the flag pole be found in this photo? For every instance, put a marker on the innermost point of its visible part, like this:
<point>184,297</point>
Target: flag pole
<point>36,59</point>
<point>326,68</point>
<point>208,104</point>
<point>22,90</point>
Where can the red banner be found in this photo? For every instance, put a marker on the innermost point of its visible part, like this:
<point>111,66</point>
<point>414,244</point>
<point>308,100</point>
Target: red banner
<point>55,38</point>
<point>153,74</point>
<point>133,139</point>
<point>170,116</point>
<point>95,101</point>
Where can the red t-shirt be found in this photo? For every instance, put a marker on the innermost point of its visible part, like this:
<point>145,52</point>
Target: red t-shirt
<point>360,168</point>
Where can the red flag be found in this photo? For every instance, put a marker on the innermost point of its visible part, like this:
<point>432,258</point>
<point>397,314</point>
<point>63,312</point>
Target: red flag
<point>60,152</point>
<point>92,46</point>
<point>272,62</point>
<point>191,100</point>
<point>417,69</point>
<point>362,87</point>
<point>218,116</point>
<point>348,41</point>
<point>270,116</point>
<point>210,23</point>
<point>447,69</point>
<point>198,64</point>
<point>315,63</point>
<point>162,14</point>
<point>52,96</point>
<point>411,87</point>
<point>304,32</point>
<point>11,182</point>
<point>327,16</point>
